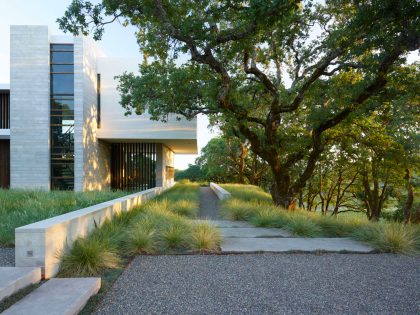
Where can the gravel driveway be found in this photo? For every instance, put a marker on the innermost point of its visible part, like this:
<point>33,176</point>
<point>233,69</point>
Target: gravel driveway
<point>267,284</point>
<point>7,257</point>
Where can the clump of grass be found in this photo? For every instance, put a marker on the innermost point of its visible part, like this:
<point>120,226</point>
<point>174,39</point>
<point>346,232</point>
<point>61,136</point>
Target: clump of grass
<point>390,237</point>
<point>236,209</point>
<point>88,257</point>
<point>141,237</point>
<point>205,238</point>
<point>175,236</point>
<point>302,226</point>
<point>248,193</point>
<point>185,207</point>
<point>266,216</point>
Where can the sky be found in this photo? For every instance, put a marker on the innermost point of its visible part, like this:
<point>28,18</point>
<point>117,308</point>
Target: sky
<point>118,41</point>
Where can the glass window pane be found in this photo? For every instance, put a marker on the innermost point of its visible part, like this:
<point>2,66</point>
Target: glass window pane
<point>62,169</point>
<point>62,57</point>
<point>62,136</point>
<point>62,46</point>
<point>62,68</point>
<point>62,119</point>
<point>62,183</point>
<point>62,83</point>
<point>64,107</point>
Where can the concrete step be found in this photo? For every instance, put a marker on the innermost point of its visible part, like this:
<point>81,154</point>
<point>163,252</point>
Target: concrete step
<point>58,296</point>
<point>253,232</point>
<point>227,223</point>
<point>254,245</point>
<point>12,279</point>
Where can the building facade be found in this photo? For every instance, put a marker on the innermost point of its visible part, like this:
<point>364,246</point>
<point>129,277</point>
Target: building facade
<point>62,127</point>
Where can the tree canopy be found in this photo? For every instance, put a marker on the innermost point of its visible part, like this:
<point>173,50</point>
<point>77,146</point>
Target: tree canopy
<point>284,75</point>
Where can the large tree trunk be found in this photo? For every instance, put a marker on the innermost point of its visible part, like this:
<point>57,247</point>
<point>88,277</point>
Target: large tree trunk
<point>242,164</point>
<point>280,191</point>
<point>410,197</point>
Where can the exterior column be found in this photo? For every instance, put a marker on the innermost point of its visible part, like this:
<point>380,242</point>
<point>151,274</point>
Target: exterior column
<point>29,107</point>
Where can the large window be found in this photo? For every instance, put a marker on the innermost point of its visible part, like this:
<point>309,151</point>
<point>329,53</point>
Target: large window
<point>62,116</point>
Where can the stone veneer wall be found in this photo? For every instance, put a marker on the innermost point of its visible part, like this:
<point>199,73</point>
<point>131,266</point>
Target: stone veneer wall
<point>92,157</point>
<point>29,107</point>
<point>164,157</point>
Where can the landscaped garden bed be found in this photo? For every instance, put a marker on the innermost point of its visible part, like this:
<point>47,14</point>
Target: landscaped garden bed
<point>162,225</point>
<point>250,203</point>
<point>22,207</point>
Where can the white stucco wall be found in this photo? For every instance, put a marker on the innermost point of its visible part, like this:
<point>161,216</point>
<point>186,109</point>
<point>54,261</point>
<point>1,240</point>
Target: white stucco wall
<point>29,107</point>
<point>92,169</point>
<point>180,136</point>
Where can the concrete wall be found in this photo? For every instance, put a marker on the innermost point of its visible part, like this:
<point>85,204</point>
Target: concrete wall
<point>29,107</point>
<point>220,192</point>
<point>92,169</point>
<point>179,135</point>
<point>164,158</point>
<point>41,244</point>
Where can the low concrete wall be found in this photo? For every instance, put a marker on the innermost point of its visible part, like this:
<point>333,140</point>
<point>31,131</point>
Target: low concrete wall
<point>220,192</point>
<point>40,244</point>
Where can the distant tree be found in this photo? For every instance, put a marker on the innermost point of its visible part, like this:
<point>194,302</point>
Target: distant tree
<point>227,159</point>
<point>242,56</point>
<point>193,173</point>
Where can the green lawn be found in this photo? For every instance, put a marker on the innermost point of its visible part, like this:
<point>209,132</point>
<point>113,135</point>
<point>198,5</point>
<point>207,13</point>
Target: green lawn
<point>250,203</point>
<point>22,207</point>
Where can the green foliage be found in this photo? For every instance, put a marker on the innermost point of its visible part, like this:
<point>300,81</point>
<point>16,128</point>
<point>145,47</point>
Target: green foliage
<point>160,225</point>
<point>205,238</point>
<point>175,236</point>
<point>391,237</point>
<point>22,207</point>
<point>303,226</point>
<point>284,77</point>
<point>89,257</point>
<point>192,173</point>
<point>383,236</point>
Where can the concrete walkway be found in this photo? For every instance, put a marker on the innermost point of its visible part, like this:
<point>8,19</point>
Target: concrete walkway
<point>242,237</point>
<point>267,284</point>
<point>209,204</point>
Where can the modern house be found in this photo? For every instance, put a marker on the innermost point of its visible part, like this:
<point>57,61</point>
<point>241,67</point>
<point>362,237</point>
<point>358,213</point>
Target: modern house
<point>62,127</point>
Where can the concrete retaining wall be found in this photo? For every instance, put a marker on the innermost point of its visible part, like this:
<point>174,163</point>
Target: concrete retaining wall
<point>40,244</point>
<point>220,192</point>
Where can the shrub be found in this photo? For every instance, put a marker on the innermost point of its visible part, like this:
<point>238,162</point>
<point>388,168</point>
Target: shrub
<point>88,257</point>
<point>205,237</point>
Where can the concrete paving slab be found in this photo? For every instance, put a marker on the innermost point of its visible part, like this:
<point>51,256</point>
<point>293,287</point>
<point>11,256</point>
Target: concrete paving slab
<point>12,279</point>
<point>253,245</point>
<point>57,297</point>
<point>228,224</point>
<point>253,232</point>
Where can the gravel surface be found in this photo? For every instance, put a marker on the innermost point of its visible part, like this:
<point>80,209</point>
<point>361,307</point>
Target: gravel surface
<point>267,284</point>
<point>7,257</point>
<point>209,204</point>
